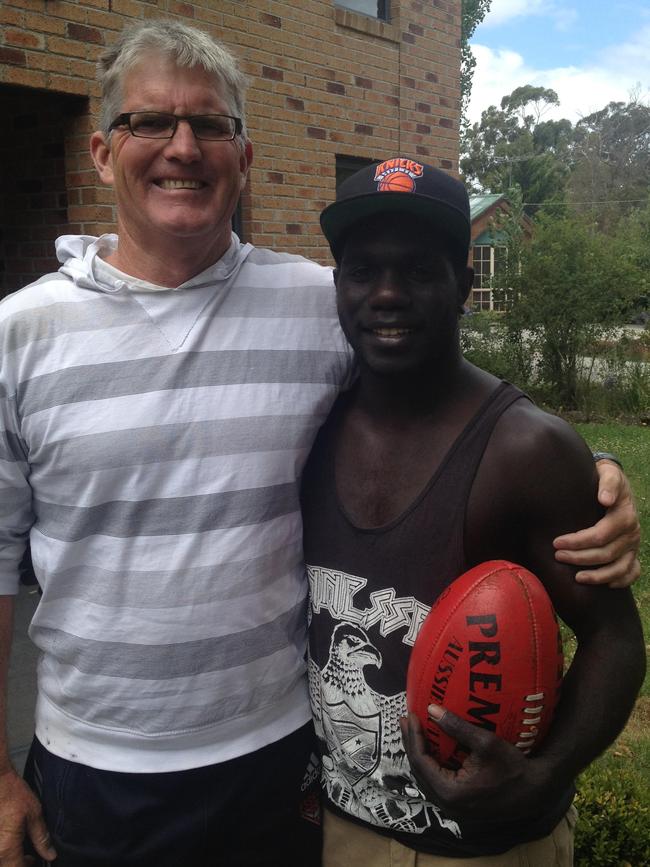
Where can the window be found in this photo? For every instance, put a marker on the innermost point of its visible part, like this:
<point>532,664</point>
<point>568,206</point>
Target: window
<point>486,261</point>
<point>374,8</point>
<point>347,166</point>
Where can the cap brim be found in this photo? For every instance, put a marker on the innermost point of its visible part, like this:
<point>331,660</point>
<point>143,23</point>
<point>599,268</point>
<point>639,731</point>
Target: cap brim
<point>339,217</point>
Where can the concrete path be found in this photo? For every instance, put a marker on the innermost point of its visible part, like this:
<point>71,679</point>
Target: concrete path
<point>22,679</point>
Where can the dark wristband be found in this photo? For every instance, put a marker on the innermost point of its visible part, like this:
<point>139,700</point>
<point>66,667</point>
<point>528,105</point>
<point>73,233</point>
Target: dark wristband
<point>607,456</point>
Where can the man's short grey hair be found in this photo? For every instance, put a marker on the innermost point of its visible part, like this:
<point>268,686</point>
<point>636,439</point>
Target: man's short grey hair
<point>185,46</point>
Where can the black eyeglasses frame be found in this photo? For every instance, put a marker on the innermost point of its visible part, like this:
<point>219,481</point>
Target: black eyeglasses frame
<point>124,119</point>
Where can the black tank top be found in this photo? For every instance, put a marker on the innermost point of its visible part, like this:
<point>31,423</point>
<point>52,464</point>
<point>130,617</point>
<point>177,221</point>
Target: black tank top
<point>370,590</point>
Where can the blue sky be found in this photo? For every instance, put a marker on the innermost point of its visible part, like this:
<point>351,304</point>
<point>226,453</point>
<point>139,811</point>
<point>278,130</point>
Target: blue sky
<point>589,51</point>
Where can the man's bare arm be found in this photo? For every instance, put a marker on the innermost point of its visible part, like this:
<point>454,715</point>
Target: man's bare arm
<point>20,811</point>
<point>547,490</point>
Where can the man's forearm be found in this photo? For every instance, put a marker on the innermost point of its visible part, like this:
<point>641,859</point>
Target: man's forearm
<point>598,695</point>
<point>7,604</point>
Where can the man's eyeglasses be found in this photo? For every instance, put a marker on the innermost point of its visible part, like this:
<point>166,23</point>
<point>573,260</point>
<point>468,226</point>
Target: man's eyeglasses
<point>159,124</point>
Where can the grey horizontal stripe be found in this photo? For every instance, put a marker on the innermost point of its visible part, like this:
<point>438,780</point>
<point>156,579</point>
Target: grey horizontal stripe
<point>120,310</point>
<point>168,718</point>
<point>12,448</point>
<point>182,370</point>
<point>166,661</point>
<point>174,442</point>
<point>158,590</point>
<point>166,517</point>
<point>13,499</point>
<point>46,323</point>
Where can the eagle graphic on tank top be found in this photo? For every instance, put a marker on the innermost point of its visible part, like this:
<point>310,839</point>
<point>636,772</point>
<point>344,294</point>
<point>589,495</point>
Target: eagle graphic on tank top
<point>365,770</point>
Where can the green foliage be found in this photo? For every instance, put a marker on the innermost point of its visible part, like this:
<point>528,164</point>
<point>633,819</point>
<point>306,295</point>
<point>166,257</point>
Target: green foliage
<point>489,345</point>
<point>612,160</point>
<point>601,164</point>
<point>512,145</point>
<point>568,287</point>
<point>622,384</point>
<point>613,799</point>
<point>633,233</point>
<point>473,12</point>
<point>613,819</point>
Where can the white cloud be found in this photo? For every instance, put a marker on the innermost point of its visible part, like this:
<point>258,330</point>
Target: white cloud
<point>619,71</point>
<point>505,10</point>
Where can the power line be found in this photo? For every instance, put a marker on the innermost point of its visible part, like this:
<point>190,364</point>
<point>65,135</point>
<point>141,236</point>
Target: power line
<point>596,202</point>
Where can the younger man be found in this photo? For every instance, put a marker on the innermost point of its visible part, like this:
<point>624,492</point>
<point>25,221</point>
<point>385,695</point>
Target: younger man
<point>425,468</point>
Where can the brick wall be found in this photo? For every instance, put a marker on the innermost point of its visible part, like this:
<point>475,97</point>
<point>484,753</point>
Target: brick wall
<point>325,82</point>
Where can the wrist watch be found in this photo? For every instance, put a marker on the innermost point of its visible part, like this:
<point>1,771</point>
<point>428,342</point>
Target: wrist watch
<point>607,456</point>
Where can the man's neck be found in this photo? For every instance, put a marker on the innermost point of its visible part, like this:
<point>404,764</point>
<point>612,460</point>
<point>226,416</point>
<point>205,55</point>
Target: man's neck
<point>166,265</point>
<point>412,396</point>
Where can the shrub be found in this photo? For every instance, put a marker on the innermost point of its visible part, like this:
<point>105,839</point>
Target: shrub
<point>489,344</point>
<point>613,819</point>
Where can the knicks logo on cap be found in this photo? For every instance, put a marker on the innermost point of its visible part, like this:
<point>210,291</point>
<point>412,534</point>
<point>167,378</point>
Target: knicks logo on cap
<point>397,175</point>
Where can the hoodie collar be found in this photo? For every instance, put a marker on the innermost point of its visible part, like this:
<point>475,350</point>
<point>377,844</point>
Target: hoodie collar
<point>83,260</point>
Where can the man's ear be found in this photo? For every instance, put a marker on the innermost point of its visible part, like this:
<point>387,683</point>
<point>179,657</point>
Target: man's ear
<point>100,151</point>
<point>468,282</point>
<point>245,160</point>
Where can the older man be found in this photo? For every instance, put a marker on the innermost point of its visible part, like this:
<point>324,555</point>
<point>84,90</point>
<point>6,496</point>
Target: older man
<point>160,394</point>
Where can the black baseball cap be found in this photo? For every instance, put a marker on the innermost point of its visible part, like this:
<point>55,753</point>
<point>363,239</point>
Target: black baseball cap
<point>402,185</point>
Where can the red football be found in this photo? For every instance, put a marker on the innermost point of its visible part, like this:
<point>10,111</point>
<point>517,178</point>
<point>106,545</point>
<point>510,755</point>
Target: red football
<point>489,650</point>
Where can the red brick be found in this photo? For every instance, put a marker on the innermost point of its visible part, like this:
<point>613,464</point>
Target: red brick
<point>272,73</point>
<point>85,34</point>
<point>270,20</point>
<point>303,60</point>
<point>185,10</point>
<point>23,39</point>
<point>13,56</point>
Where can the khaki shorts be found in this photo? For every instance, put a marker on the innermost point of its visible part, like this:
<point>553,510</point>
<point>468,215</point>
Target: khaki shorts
<point>346,844</point>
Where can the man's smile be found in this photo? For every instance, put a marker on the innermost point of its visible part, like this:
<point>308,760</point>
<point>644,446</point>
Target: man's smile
<point>179,184</point>
<point>391,333</point>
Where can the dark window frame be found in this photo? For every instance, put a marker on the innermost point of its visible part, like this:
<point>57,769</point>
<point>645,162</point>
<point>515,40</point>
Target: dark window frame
<point>346,166</point>
<point>382,6</point>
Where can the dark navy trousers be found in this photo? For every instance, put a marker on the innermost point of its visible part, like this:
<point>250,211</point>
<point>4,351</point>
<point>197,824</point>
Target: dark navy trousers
<point>240,813</point>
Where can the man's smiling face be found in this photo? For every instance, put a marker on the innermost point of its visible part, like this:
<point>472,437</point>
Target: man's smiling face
<point>180,191</point>
<point>398,295</point>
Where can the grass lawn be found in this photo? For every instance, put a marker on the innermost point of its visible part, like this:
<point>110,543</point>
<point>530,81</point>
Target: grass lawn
<point>628,760</point>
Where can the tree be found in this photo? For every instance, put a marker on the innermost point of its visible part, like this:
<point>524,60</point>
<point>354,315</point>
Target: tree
<point>612,160</point>
<point>473,12</point>
<point>633,239</point>
<point>513,145</point>
<point>568,287</point>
